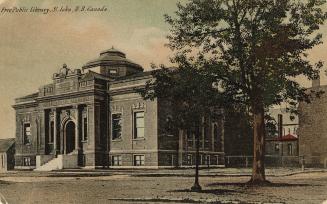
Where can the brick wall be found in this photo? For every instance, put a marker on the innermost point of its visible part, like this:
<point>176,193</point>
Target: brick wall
<point>313,130</point>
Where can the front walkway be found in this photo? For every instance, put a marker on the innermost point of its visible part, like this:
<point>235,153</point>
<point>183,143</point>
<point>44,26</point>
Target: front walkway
<point>271,172</point>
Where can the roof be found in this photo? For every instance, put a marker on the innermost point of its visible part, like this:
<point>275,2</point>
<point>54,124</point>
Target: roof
<point>111,57</point>
<point>29,96</point>
<point>90,75</point>
<point>133,76</point>
<point>5,144</point>
<point>112,51</point>
<point>288,137</point>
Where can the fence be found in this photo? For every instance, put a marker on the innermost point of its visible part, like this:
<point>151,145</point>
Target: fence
<point>276,161</point>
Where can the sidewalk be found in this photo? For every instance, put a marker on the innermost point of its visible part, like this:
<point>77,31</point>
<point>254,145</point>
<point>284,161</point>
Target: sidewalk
<point>212,172</point>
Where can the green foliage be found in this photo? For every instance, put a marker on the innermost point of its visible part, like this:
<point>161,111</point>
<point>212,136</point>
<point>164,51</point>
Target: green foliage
<point>188,89</point>
<point>254,48</point>
<point>271,125</point>
<point>244,53</point>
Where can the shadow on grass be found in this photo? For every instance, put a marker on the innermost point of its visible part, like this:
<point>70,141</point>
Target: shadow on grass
<point>183,200</point>
<point>207,191</point>
<point>263,185</point>
<point>5,182</point>
<point>165,200</point>
<point>181,175</point>
<point>161,175</point>
<point>78,175</point>
<point>156,200</point>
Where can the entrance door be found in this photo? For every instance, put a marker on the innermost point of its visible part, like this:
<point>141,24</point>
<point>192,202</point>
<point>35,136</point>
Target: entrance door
<point>70,137</point>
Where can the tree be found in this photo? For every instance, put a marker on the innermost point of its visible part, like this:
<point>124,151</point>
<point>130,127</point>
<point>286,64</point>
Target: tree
<point>255,49</point>
<point>238,131</point>
<point>192,97</point>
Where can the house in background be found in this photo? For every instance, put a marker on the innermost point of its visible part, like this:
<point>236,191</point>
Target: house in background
<point>7,154</point>
<point>285,125</point>
<point>282,148</point>
<point>286,145</point>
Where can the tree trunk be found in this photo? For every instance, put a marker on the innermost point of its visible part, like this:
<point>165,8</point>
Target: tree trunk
<point>258,170</point>
<point>196,186</point>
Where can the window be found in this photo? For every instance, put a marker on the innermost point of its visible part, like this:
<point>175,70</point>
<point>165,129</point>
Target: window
<point>294,131</point>
<point>139,125</point>
<point>113,71</point>
<point>289,149</point>
<point>189,159</point>
<point>138,160</point>
<point>206,136</point>
<point>217,159</point>
<point>27,133</point>
<point>207,160</point>
<point>169,126</point>
<point>116,126</point>
<point>3,160</point>
<point>51,132</point>
<point>276,147</point>
<point>201,141</point>
<point>173,160</point>
<point>85,129</point>
<point>82,84</point>
<point>189,138</point>
<point>26,161</point>
<point>218,136</point>
<point>116,160</point>
<point>215,132</point>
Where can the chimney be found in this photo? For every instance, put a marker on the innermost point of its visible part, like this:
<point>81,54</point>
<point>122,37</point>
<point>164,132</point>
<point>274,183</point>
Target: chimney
<point>316,82</point>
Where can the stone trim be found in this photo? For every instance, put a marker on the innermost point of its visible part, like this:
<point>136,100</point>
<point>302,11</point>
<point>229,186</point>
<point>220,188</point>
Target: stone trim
<point>132,151</point>
<point>127,99</point>
<point>134,167</point>
<point>125,87</point>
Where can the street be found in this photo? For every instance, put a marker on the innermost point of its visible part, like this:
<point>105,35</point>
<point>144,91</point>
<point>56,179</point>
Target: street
<point>159,187</point>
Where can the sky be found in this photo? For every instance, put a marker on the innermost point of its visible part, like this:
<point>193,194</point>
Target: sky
<point>33,46</point>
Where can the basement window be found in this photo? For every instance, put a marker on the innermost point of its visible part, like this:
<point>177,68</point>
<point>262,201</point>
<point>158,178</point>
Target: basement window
<point>138,160</point>
<point>116,160</point>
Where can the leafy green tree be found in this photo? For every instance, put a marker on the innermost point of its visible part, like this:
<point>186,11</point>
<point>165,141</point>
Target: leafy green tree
<point>192,98</point>
<point>238,132</point>
<point>255,49</point>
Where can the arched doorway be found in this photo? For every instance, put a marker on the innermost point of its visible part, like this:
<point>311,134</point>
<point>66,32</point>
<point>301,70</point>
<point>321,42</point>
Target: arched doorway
<point>70,137</point>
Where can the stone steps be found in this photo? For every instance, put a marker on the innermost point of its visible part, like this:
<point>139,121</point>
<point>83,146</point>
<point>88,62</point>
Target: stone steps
<point>53,164</point>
